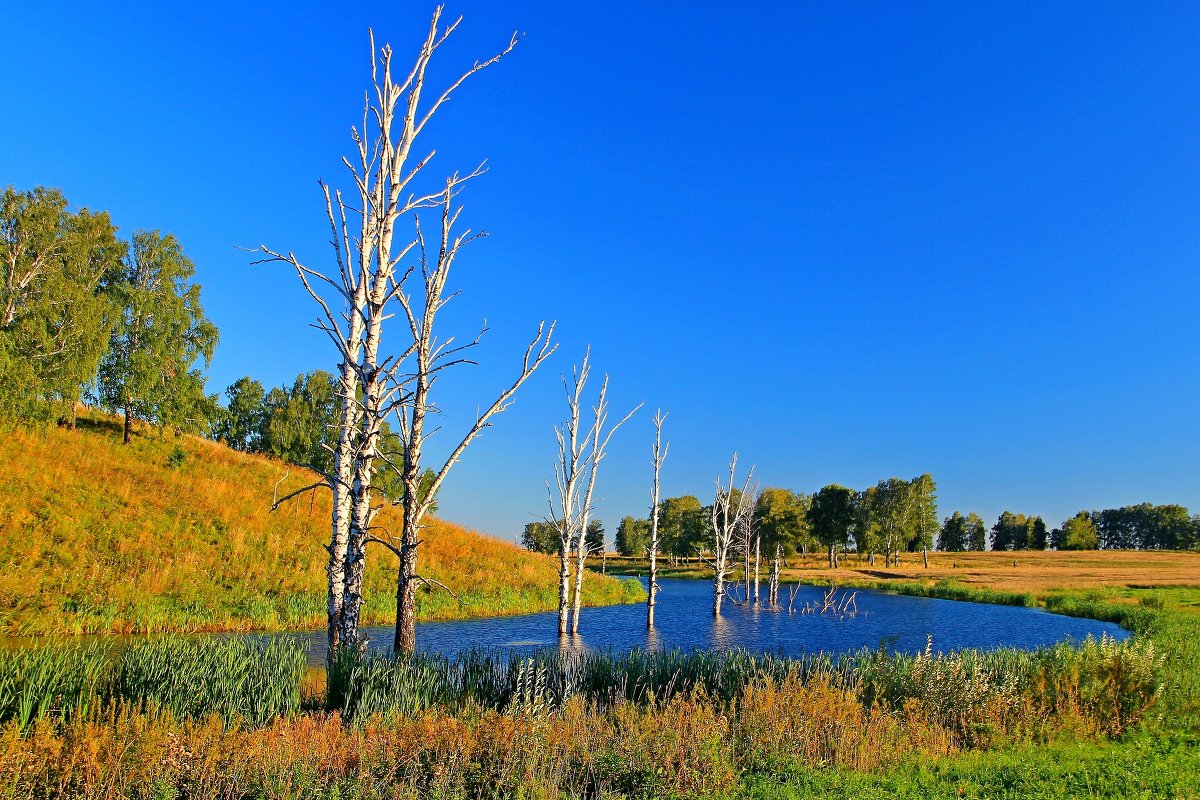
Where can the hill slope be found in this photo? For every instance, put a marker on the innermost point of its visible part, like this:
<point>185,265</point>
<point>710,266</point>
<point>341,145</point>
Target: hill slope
<point>174,534</point>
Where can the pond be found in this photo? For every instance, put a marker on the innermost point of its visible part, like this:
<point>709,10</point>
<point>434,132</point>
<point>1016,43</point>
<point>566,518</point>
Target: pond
<point>683,619</point>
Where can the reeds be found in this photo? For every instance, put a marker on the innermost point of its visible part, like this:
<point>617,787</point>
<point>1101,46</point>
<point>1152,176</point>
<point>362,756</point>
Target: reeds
<point>240,681</point>
<point>60,680</point>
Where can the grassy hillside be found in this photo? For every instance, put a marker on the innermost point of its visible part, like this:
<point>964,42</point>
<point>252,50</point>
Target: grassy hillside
<point>174,534</point>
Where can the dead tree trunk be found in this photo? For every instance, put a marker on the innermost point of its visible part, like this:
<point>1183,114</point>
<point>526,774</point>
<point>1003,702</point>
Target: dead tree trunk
<point>579,457</point>
<point>773,584</point>
<point>599,449</point>
<point>128,429</point>
<point>371,282</point>
<point>657,456</point>
<point>567,473</point>
<point>746,535</point>
<point>746,559</point>
<point>726,519</point>
<point>757,564</point>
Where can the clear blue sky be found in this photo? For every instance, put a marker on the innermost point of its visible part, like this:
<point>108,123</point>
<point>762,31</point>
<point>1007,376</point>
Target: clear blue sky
<point>850,242</point>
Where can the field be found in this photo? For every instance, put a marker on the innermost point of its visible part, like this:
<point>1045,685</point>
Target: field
<point>1028,571</point>
<point>176,534</point>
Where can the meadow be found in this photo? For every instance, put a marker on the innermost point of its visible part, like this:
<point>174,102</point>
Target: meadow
<point>233,718</point>
<point>175,534</point>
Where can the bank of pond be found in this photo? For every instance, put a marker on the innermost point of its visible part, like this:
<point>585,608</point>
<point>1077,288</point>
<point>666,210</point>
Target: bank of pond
<point>690,710</point>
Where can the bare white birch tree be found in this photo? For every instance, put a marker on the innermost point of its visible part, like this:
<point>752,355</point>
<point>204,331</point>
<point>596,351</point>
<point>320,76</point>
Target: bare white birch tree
<point>568,471</point>
<point>773,581</point>
<point>433,355</point>
<point>370,280</point>
<point>345,330</point>
<point>575,472</point>
<point>757,562</point>
<point>599,449</point>
<point>658,456</point>
<point>727,517</point>
<point>745,536</point>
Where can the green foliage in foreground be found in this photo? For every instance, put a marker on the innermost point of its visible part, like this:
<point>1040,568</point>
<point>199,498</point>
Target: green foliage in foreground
<point>244,681</point>
<point>1161,759</point>
<point>238,679</point>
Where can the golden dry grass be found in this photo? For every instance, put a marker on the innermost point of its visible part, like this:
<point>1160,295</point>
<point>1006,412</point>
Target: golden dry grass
<point>1034,572</point>
<point>98,537</point>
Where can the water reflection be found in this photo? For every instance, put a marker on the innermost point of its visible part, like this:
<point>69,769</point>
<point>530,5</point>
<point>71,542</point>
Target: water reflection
<point>683,618</point>
<point>722,634</point>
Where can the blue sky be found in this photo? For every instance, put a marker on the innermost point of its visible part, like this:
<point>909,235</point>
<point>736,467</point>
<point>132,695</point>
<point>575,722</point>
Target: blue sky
<point>849,241</point>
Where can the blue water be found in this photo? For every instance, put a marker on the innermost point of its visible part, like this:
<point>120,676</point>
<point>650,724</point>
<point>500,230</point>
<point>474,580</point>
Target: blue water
<point>683,619</point>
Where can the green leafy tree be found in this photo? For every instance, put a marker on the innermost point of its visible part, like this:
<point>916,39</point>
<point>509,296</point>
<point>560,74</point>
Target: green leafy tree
<point>1144,526</point>
<point>781,517</point>
<point>1077,533</point>
<point>1011,532</point>
<point>862,531</point>
<point>1036,538</point>
<point>923,523</point>
<point>1172,528</point>
<point>953,538</point>
<point>832,516</point>
<point>633,536</point>
<point>56,314</point>
<point>299,421</point>
<point>682,525</point>
<point>242,424</point>
<point>161,332</point>
<point>540,537</point>
<point>889,516</point>
<point>976,533</point>
<point>593,538</point>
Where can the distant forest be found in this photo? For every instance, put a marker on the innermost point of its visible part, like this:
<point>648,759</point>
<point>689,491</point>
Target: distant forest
<point>892,517</point>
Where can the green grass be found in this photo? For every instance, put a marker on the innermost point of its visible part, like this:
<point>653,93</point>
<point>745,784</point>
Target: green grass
<point>239,680</point>
<point>1153,766</point>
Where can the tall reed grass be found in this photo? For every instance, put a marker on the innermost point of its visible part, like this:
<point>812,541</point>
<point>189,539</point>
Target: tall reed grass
<point>240,681</point>
<point>973,694</point>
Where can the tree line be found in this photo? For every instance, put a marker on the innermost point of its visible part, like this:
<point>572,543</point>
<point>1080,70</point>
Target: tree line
<point>887,519</point>
<point>1138,527</point>
<point>895,517</point>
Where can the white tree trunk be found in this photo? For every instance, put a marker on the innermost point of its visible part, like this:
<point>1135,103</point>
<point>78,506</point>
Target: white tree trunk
<point>658,456</point>
<point>726,520</point>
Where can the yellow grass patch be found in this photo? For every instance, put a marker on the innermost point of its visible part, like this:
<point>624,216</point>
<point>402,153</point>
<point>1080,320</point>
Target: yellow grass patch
<point>97,537</point>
